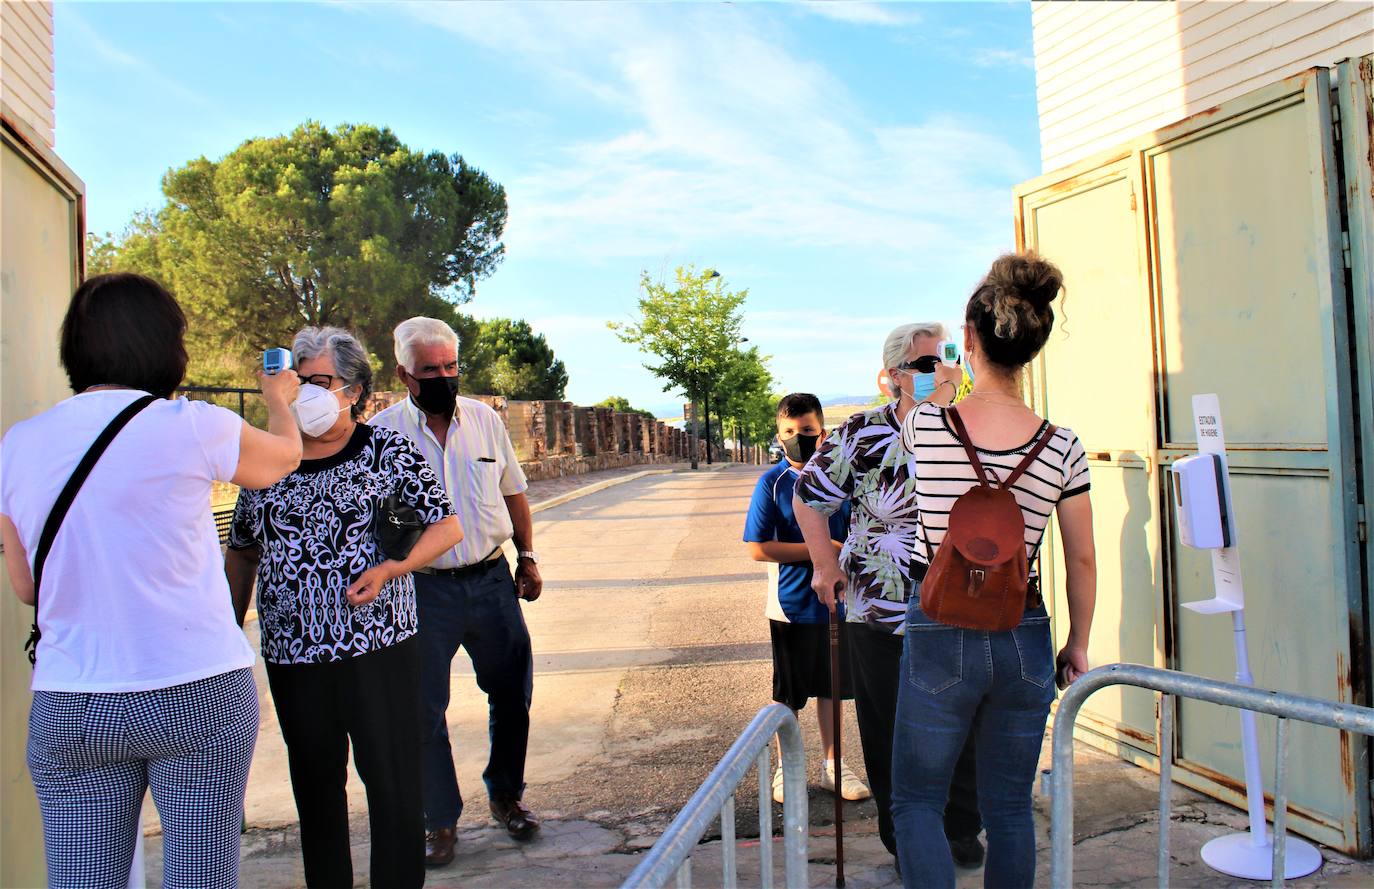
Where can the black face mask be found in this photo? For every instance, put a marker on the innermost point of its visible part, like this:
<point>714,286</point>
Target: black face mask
<point>799,448</point>
<point>438,395</point>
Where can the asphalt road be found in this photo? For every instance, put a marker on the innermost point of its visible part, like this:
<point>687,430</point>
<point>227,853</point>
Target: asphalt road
<point>651,653</point>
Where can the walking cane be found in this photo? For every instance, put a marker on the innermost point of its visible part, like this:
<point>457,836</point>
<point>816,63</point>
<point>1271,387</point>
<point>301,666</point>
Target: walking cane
<point>836,699</point>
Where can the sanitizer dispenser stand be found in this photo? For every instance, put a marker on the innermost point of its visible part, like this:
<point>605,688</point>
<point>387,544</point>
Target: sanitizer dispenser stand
<point>1202,499</point>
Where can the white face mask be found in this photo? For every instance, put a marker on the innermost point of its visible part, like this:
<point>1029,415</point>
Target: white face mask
<point>316,409</point>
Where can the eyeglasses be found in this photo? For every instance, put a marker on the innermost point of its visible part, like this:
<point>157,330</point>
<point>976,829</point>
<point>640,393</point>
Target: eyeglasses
<point>926,364</point>
<point>324,381</point>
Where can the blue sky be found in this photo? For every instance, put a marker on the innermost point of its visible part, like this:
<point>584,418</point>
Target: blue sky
<point>850,164</point>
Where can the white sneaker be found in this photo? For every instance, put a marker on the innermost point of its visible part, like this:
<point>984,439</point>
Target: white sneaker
<point>777,785</point>
<point>851,787</point>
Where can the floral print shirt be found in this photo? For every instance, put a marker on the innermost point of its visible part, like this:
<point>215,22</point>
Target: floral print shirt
<point>864,463</point>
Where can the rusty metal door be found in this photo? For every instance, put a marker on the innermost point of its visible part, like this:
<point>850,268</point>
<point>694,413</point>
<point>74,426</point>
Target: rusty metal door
<point>1209,257</point>
<point>1097,377</point>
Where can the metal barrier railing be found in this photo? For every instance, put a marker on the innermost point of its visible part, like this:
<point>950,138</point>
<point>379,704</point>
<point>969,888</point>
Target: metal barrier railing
<point>1170,683</point>
<point>224,518</point>
<point>226,393</point>
<point>671,855</point>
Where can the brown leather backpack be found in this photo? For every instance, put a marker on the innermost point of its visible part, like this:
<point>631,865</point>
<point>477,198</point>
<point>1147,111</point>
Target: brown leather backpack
<point>979,579</point>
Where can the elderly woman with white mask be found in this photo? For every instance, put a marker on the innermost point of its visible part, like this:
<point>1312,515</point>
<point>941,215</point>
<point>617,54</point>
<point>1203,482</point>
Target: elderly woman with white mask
<point>337,616</point>
<point>864,463</point>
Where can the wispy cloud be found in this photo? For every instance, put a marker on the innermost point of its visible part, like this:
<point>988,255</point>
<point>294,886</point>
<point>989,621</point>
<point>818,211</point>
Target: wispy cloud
<point>730,135</point>
<point>98,45</point>
<point>1003,58</point>
<point>92,40</point>
<point>862,13</point>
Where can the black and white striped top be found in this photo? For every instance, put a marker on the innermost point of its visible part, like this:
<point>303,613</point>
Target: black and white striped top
<point>943,474</point>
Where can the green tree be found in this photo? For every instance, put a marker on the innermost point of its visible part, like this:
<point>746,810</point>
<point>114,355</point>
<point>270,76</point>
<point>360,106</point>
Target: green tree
<point>510,359</point>
<point>344,226</point>
<point>742,386</point>
<point>757,418</point>
<point>691,328</point>
<point>622,404</point>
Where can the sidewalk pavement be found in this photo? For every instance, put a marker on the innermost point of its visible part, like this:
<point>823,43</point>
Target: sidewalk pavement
<point>1116,836</point>
<point>585,845</point>
<point>550,492</point>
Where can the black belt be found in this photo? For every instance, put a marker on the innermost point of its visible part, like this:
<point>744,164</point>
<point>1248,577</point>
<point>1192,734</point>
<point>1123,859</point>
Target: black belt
<point>466,570</point>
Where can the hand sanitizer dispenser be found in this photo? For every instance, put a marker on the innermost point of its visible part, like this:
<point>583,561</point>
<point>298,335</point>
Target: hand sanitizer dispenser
<point>1204,520</point>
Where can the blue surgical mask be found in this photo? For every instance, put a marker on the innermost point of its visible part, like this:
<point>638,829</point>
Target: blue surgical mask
<point>922,386</point>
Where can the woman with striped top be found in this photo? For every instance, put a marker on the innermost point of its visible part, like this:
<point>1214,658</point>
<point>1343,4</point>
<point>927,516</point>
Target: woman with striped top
<point>996,685</point>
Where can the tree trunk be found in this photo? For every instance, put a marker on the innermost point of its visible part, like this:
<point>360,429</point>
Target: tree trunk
<point>707,399</point>
<point>692,431</point>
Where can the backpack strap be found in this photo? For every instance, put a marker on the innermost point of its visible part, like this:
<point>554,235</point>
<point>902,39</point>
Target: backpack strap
<point>1034,452</point>
<point>64,503</point>
<point>961,433</point>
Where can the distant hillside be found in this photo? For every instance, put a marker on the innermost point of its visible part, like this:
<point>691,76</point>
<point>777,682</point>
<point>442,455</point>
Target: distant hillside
<point>848,399</point>
<point>837,413</point>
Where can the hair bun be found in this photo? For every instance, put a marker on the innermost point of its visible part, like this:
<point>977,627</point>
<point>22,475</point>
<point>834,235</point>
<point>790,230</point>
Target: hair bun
<point>1030,277</point>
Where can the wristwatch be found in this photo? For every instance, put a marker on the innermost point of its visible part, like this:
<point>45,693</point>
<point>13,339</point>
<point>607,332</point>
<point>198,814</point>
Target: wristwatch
<point>528,554</point>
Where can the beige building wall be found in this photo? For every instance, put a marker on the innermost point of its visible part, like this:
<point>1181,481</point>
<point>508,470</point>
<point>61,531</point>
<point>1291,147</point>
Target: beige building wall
<point>1108,72</point>
<point>41,232</point>
<point>26,64</point>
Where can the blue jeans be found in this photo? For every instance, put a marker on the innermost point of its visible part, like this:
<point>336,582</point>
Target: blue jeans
<point>998,686</point>
<point>480,612</point>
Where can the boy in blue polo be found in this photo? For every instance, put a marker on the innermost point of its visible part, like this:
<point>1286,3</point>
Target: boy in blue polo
<point>798,622</point>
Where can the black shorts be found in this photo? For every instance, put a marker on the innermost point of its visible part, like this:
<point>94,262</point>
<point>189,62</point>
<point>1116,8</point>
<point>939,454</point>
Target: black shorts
<point>801,663</point>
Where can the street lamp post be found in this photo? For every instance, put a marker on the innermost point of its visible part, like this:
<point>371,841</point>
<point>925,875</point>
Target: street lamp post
<point>694,435</point>
<point>706,397</point>
<point>696,420</point>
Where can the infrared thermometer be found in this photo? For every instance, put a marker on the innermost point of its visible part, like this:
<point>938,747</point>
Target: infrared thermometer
<point>948,353</point>
<point>276,360</point>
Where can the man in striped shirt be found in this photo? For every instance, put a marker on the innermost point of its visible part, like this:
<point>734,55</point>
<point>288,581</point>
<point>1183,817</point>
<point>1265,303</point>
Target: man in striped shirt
<point>468,595</point>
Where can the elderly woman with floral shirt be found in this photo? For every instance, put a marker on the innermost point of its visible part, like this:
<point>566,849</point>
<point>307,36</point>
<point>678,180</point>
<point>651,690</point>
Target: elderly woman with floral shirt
<point>864,463</point>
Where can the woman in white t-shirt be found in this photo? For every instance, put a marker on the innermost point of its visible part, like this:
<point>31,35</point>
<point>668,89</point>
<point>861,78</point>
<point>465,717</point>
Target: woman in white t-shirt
<point>996,686</point>
<point>142,676</point>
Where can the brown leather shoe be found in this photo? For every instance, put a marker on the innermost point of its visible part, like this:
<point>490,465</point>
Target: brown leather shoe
<point>439,847</point>
<point>518,820</point>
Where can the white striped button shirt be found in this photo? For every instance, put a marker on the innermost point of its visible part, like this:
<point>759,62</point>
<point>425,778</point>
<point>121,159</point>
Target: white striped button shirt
<point>478,467</point>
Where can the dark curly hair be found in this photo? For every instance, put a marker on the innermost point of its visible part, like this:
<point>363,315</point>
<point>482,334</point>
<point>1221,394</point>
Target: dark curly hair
<point>1011,310</point>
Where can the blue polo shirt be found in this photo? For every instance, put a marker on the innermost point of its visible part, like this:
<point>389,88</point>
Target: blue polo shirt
<point>790,597</point>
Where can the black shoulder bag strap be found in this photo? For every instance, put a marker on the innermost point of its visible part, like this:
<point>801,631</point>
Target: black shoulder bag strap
<point>64,503</point>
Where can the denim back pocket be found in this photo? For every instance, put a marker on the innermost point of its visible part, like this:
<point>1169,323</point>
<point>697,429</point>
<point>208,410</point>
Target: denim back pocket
<point>934,652</point>
<point>1035,648</point>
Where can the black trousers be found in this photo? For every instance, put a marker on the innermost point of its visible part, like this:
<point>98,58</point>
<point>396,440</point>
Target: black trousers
<point>481,612</point>
<point>875,657</point>
<point>372,700</point>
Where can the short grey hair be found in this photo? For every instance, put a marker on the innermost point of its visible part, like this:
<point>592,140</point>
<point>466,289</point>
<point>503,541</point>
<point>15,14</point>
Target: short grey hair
<point>900,339</point>
<point>351,361</point>
<point>421,331</point>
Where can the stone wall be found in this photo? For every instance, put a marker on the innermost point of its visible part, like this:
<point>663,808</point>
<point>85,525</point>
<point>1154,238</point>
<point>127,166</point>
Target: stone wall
<point>557,438</point>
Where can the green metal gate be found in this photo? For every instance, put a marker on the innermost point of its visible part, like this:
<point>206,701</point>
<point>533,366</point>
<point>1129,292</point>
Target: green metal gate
<point>1229,254</point>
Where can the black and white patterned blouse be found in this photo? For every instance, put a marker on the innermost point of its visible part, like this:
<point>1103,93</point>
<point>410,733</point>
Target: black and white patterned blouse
<point>315,530</point>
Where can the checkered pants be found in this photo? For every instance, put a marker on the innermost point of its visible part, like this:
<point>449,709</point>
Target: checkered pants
<point>92,756</point>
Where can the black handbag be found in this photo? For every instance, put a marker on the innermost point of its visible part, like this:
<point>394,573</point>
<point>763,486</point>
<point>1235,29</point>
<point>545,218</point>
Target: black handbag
<point>397,526</point>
